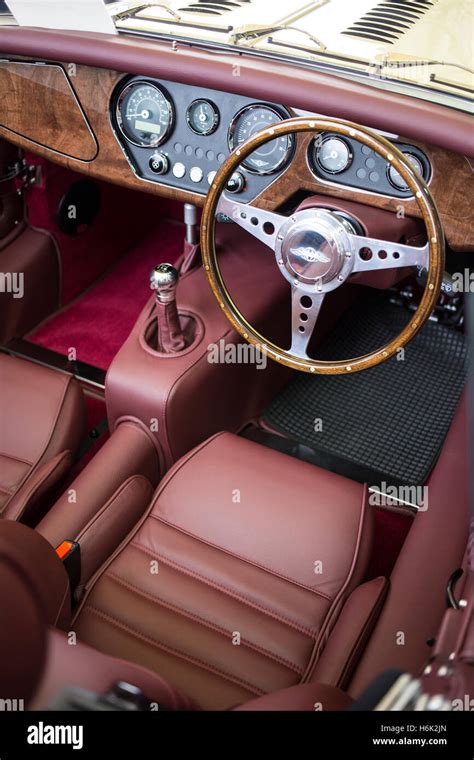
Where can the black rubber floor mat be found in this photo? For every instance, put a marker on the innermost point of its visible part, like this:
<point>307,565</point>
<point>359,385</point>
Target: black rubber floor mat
<point>384,424</point>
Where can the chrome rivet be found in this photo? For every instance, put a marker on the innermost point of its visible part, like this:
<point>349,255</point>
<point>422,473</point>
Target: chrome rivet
<point>349,369</point>
<point>389,157</point>
<point>313,369</point>
<point>280,261</point>
<point>352,133</point>
<point>431,286</point>
<point>433,240</point>
<point>418,194</point>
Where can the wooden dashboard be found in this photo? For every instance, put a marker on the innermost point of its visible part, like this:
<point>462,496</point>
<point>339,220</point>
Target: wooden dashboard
<point>62,111</point>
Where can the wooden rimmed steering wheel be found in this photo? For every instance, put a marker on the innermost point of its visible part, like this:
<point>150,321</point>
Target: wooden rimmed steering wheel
<point>316,251</point>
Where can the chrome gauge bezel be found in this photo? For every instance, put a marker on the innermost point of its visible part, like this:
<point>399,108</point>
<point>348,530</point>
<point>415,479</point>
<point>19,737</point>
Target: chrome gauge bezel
<point>119,119</point>
<point>421,171</point>
<point>216,121</point>
<point>282,115</point>
<point>315,149</point>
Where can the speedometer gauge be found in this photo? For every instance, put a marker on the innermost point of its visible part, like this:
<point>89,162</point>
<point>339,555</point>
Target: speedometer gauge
<point>144,114</point>
<point>271,156</point>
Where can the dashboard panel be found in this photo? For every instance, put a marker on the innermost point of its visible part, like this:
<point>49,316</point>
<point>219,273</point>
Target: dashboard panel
<point>35,119</point>
<point>180,135</point>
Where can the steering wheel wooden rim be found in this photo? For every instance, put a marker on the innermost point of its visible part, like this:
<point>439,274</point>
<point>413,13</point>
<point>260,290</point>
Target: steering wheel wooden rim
<point>422,195</point>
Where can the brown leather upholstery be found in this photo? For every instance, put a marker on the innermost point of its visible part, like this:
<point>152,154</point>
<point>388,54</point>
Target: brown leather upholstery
<point>434,548</point>
<point>41,425</point>
<point>112,493</point>
<point>34,591</point>
<point>86,668</point>
<point>305,697</point>
<point>231,583</point>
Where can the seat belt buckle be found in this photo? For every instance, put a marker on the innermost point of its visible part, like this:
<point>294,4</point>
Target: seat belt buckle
<point>69,552</point>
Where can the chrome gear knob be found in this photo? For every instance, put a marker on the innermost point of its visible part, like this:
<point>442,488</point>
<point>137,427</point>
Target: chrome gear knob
<point>164,280</point>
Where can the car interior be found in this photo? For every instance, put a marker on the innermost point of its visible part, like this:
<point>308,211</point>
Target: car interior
<point>235,284</point>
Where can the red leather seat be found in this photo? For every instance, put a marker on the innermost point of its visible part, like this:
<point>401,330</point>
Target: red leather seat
<point>232,582</point>
<point>41,425</point>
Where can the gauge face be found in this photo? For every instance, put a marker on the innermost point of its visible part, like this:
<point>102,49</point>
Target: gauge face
<point>144,114</point>
<point>202,117</point>
<point>270,157</point>
<point>333,154</point>
<point>396,179</point>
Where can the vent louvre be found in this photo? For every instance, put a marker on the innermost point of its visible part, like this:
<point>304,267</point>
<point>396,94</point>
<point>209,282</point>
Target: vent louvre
<point>214,7</point>
<point>389,20</point>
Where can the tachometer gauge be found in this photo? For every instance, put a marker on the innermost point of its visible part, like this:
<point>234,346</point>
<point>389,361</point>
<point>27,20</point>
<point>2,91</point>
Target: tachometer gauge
<point>271,156</point>
<point>145,114</point>
<point>202,117</point>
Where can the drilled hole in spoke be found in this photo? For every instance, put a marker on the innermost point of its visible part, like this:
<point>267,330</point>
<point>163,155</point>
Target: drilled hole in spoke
<point>365,254</point>
<point>306,302</point>
<point>301,329</point>
<point>304,317</point>
<point>382,254</point>
<point>268,228</point>
<point>254,221</point>
<point>396,255</point>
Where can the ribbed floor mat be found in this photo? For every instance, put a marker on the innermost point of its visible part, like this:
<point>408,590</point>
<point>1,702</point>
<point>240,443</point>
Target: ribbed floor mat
<point>384,424</point>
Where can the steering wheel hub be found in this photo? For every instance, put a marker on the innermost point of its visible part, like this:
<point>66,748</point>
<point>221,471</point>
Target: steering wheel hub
<point>314,251</point>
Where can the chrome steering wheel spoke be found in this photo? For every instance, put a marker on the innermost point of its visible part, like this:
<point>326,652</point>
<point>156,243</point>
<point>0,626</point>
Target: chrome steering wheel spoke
<point>261,224</point>
<point>372,254</point>
<point>304,315</point>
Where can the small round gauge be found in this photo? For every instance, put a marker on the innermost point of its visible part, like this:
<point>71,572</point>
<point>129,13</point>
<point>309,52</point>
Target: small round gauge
<point>271,156</point>
<point>202,117</point>
<point>333,154</point>
<point>145,114</point>
<point>396,179</point>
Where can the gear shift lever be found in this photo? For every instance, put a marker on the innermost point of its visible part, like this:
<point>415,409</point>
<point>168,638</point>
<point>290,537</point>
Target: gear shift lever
<point>164,280</point>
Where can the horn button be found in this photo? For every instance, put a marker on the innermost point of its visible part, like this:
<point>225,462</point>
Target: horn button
<point>314,251</point>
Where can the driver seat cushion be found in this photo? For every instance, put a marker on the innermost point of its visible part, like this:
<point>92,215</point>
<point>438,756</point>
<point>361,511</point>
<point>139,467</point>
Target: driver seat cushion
<point>42,420</point>
<point>231,583</point>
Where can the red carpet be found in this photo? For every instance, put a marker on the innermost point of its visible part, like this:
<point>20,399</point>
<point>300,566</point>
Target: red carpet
<point>390,532</point>
<point>98,322</point>
<point>126,217</point>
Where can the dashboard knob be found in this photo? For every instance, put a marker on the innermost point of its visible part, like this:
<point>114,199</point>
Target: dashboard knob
<point>159,163</point>
<point>236,184</point>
